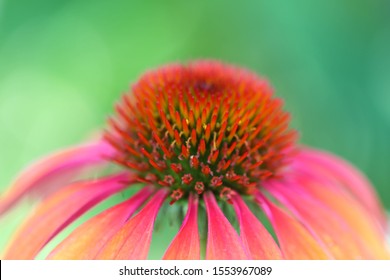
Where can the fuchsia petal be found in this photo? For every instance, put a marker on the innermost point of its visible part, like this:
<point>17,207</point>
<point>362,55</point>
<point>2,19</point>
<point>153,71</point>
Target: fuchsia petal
<point>59,210</point>
<point>185,245</point>
<point>338,238</point>
<point>350,211</point>
<point>132,241</point>
<point>256,239</point>
<point>295,241</point>
<point>44,175</point>
<point>89,238</point>
<point>223,242</point>
<point>355,182</point>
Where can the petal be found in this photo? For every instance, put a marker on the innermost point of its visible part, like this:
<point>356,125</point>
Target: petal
<point>351,212</point>
<point>295,241</point>
<point>43,176</point>
<point>59,210</point>
<point>354,181</point>
<point>185,245</point>
<point>339,239</point>
<point>223,242</point>
<point>89,238</point>
<point>256,239</point>
<point>132,241</point>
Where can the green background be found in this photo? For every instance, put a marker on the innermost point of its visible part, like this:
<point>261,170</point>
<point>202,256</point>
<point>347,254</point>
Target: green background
<point>63,64</point>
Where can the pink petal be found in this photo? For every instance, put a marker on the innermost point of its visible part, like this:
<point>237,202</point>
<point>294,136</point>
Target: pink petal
<point>350,211</point>
<point>44,176</point>
<point>339,239</point>
<point>59,210</point>
<point>185,245</point>
<point>354,181</point>
<point>132,241</point>
<point>256,239</point>
<point>223,242</point>
<point>295,241</point>
<point>88,239</point>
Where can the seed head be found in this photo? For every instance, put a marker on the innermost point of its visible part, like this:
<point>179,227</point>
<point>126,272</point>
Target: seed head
<point>202,126</point>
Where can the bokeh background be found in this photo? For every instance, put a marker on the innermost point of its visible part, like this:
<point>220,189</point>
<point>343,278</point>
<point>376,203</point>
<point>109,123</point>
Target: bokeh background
<point>64,63</point>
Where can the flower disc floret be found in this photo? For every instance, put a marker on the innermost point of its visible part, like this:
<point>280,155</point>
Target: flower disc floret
<point>202,126</point>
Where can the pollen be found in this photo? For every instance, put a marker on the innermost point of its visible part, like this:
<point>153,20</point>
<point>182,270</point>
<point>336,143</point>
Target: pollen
<point>199,127</point>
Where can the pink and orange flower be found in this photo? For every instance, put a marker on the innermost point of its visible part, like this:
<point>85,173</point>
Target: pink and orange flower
<point>199,137</point>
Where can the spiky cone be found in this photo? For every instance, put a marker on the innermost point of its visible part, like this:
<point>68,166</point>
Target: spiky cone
<point>199,136</point>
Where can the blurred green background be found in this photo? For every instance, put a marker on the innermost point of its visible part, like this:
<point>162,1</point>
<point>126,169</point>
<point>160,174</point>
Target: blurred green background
<point>63,64</point>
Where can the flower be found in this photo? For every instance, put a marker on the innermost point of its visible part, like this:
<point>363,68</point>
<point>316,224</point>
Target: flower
<point>198,137</point>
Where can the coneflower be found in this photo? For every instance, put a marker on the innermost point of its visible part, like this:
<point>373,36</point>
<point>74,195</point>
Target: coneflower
<point>199,136</point>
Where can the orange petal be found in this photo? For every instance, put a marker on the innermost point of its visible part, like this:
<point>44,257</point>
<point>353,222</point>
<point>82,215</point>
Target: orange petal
<point>223,242</point>
<point>256,239</point>
<point>132,241</point>
<point>89,238</point>
<point>351,179</point>
<point>52,172</point>
<point>59,210</point>
<point>352,213</point>
<point>339,239</point>
<point>295,241</point>
<point>185,245</point>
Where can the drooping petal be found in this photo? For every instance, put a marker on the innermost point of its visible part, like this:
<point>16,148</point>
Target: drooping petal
<point>295,241</point>
<point>339,239</point>
<point>185,245</point>
<point>351,179</point>
<point>354,215</point>
<point>256,239</point>
<point>132,241</point>
<point>223,242</point>
<point>59,210</point>
<point>89,238</point>
<point>53,172</point>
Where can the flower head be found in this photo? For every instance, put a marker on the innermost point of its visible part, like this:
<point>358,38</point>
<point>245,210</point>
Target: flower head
<point>200,136</point>
<point>202,127</point>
